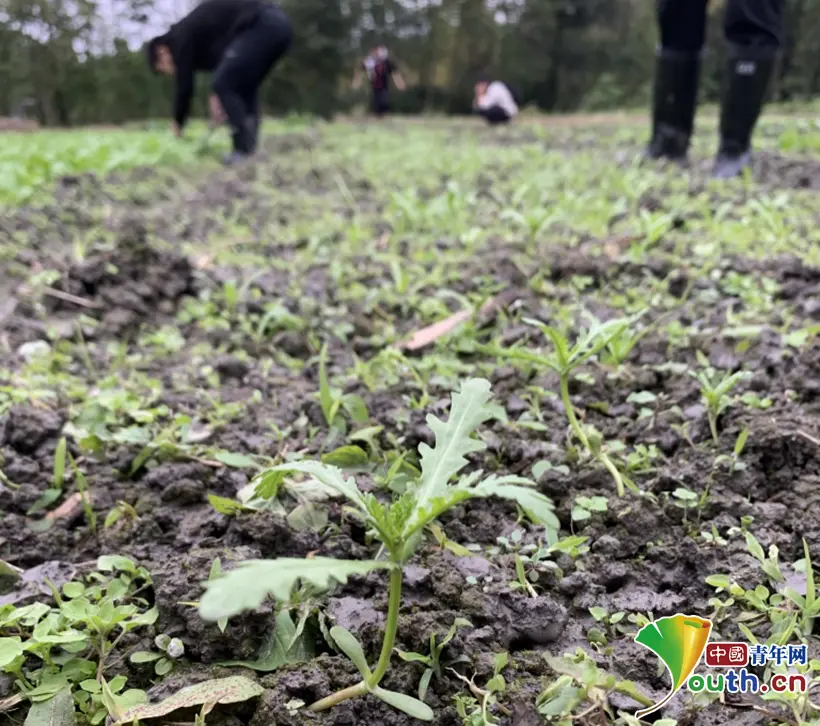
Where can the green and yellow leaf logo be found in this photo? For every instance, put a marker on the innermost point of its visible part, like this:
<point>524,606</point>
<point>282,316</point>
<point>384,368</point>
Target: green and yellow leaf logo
<point>679,641</point>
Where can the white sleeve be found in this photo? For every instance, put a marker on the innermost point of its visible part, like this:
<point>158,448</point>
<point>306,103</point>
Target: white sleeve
<point>491,97</point>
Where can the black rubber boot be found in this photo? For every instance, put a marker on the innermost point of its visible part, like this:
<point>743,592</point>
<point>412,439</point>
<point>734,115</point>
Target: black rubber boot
<point>674,104</point>
<point>253,133</point>
<point>748,73</point>
<point>240,139</point>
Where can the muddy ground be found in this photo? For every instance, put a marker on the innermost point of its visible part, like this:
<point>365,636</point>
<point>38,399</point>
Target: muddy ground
<point>348,236</point>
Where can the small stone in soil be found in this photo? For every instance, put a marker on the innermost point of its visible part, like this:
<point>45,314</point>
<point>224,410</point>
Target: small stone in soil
<point>230,366</point>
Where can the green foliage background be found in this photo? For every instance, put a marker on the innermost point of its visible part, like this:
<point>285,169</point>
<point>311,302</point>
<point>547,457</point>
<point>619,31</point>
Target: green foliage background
<point>562,55</point>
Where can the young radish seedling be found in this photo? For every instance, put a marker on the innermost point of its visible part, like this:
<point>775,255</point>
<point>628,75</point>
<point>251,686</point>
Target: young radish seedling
<point>563,360</point>
<point>715,390</point>
<point>399,526</point>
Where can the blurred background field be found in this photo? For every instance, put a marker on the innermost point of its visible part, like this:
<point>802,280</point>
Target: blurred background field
<point>82,63</point>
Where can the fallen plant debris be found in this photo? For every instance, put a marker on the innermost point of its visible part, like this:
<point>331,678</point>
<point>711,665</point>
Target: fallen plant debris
<point>426,336</point>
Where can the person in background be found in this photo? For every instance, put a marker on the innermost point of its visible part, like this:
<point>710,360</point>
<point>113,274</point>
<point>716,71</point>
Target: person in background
<point>379,69</point>
<point>240,41</point>
<point>494,101</point>
<point>753,31</point>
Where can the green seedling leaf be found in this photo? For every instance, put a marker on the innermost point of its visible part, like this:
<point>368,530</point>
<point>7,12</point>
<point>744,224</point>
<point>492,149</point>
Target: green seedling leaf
<point>598,613</point>
<point>538,507</point>
<point>326,398</point>
<point>748,634</point>
<point>268,483</point>
<point>283,645</point>
<point>355,407</point>
<point>307,516</point>
<point>424,683</point>
<point>59,465</point>
<point>235,689</point>
<point>73,589</point>
<point>47,498</point>
<point>215,572</point>
<point>351,648</point>
<point>10,650</point>
<point>468,411</point>
<point>446,543</point>
<point>47,689</point>
<point>740,442</point>
<point>247,586</point>
<point>56,711</point>
<point>541,467</point>
<point>561,698</point>
<point>163,666</point>
<point>9,575</point>
<point>457,623</point>
<point>412,657</point>
<point>347,457</point>
<point>642,397</point>
<point>228,507</point>
<point>108,563</point>
<point>149,617</point>
<point>110,701</point>
<point>328,475</point>
<point>235,461</point>
<point>719,581</point>
<point>754,547</point>
<point>144,656</point>
<point>406,704</point>
<point>367,435</point>
<point>812,602</point>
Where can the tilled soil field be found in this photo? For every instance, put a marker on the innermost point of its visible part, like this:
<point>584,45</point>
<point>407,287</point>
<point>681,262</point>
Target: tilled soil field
<point>183,334</point>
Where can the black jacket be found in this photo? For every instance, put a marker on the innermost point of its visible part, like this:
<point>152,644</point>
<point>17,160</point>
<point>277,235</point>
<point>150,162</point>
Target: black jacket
<point>198,41</point>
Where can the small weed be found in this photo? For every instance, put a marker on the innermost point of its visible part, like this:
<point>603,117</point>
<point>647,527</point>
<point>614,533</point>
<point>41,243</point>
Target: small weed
<point>564,360</point>
<point>715,391</point>
<point>432,660</point>
<point>581,690</point>
<point>475,710</point>
<point>69,646</point>
<point>170,651</point>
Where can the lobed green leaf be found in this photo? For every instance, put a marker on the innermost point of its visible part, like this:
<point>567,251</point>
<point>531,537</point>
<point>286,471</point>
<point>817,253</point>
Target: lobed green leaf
<point>454,441</point>
<point>247,586</point>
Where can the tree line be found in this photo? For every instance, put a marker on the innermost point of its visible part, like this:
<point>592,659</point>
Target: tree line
<point>62,64</point>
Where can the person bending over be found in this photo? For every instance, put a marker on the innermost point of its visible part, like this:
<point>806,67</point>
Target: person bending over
<point>494,101</point>
<point>239,41</point>
<point>379,69</point>
<point>753,29</point>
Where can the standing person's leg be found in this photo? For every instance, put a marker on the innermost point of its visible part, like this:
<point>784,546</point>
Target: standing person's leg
<point>381,102</point>
<point>753,30</point>
<point>682,25</point>
<point>244,66</point>
<point>254,119</point>
<point>227,85</point>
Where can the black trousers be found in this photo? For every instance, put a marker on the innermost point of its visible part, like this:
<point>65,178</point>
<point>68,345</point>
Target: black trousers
<point>495,115</point>
<point>381,101</point>
<point>247,60</point>
<point>756,23</point>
